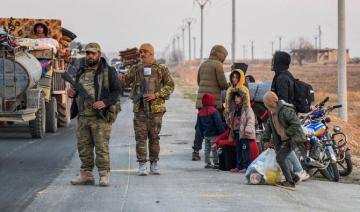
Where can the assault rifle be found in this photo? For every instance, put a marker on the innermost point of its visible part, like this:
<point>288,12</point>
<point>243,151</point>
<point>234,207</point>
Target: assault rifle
<point>140,97</point>
<point>82,92</point>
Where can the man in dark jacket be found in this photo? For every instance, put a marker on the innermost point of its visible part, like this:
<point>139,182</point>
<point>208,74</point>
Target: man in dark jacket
<point>211,79</point>
<point>283,81</point>
<point>93,132</point>
<point>283,86</point>
<point>284,130</point>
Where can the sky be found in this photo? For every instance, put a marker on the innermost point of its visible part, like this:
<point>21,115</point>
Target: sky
<point>121,24</point>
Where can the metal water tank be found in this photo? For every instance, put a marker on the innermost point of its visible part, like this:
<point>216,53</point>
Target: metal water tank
<point>18,74</point>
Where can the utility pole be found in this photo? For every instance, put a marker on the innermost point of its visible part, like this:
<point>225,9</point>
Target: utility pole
<point>194,38</point>
<point>233,42</point>
<point>202,4</point>
<point>252,50</point>
<point>183,27</point>
<point>244,52</point>
<point>272,48</point>
<point>316,46</point>
<point>320,33</point>
<point>173,44</point>
<point>189,21</point>
<point>280,38</point>
<point>342,83</point>
<point>178,42</point>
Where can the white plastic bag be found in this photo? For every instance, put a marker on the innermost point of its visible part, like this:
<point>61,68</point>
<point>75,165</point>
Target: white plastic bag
<point>266,166</point>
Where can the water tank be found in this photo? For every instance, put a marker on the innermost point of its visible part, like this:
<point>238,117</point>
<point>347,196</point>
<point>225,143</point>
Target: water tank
<point>19,74</point>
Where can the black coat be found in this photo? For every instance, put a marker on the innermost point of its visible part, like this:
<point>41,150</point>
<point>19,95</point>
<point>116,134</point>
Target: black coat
<point>108,96</point>
<point>283,86</point>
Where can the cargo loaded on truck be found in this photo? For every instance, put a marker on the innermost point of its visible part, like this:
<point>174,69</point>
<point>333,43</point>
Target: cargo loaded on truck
<point>33,54</point>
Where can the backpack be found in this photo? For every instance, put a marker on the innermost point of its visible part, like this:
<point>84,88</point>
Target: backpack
<point>304,96</point>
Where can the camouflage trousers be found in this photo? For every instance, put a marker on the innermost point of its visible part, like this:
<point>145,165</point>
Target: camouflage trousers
<point>147,130</point>
<point>93,132</point>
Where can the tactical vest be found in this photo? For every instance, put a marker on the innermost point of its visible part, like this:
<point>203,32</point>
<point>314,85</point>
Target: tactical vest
<point>87,80</point>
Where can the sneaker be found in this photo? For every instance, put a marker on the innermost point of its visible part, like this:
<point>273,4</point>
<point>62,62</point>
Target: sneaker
<point>296,179</point>
<point>209,166</point>
<point>286,185</point>
<point>242,171</point>
<point>236,170</point>
<point>216,166</point>
<point>154,168</point>
<point>142,169</point>
<point>196,156</point>
<point>303,176</point>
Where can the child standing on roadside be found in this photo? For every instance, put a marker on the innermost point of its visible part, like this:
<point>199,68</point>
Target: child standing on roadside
<point>209,124</point>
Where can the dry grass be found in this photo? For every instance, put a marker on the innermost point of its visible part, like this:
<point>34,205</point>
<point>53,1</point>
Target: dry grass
<point>322,77</point>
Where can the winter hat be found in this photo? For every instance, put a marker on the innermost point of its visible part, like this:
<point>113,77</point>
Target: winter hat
<point>270,100</point>
<point>241,66</point>
<point>281,61</point>
<point>208,100</point>
<point>147,47</point>
<point>219,52</point>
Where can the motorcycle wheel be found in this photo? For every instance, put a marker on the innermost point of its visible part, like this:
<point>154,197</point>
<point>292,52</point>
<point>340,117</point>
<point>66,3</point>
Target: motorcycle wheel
<point>345,167</point>
<point>334,172</point>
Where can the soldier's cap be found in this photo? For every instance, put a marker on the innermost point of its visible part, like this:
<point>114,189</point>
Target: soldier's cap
<point>93,47</point>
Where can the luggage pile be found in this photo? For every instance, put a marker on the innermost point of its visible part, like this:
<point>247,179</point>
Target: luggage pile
<point>130,57</point>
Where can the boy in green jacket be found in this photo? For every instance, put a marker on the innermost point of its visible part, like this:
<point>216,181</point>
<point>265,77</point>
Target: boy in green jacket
<point>284,128</point>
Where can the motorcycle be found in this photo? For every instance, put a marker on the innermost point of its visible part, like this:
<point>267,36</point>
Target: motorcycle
<point>320,152</point>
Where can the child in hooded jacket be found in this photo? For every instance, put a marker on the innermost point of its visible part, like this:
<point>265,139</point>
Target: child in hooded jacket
<point>209,124</point>
<point>241,120</point>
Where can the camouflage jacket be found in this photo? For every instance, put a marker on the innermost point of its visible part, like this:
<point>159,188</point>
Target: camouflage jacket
<point>159,82</point>
<point>291,123</point>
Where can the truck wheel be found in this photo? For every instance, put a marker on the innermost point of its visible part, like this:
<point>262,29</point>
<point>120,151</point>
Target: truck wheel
<point>37,126</point>
<point>51,116</point>
<point>63,115</point>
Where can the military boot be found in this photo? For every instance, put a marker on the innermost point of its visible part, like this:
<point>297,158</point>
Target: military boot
<point>104,178</point>
<point>142,169</point>
<point>154,168</point>
<point>86,178</point>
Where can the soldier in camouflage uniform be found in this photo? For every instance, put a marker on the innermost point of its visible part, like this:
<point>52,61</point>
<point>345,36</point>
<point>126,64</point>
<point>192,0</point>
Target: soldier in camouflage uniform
<point>149,111</point>
<point>100,81</point>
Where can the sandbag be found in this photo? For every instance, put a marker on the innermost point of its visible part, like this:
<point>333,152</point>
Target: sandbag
<point>258,90</point>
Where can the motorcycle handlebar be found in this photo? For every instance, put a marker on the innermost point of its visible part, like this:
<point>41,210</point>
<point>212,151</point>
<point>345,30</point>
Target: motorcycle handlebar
<point>336,106</point>
<point>322,103</point>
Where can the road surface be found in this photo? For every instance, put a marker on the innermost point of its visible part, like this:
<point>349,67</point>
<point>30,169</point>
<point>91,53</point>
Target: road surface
<point>183,185</point>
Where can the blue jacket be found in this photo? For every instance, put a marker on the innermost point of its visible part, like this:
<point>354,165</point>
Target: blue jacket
<point>208,123</point>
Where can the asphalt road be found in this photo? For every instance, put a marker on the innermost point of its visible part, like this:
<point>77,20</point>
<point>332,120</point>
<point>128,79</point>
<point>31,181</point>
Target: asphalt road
<point>183,185</point>
<point>27,166</point>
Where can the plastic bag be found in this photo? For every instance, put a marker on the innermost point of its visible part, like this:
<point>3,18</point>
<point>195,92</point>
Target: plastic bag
<point>264,167</point>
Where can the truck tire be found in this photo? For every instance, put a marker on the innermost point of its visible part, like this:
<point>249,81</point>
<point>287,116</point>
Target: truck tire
<point>63,115</point>
<point>51,116</point>
<point>37,126</point>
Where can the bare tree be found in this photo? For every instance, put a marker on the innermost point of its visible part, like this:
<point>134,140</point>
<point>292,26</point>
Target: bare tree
<point>302,50</point>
